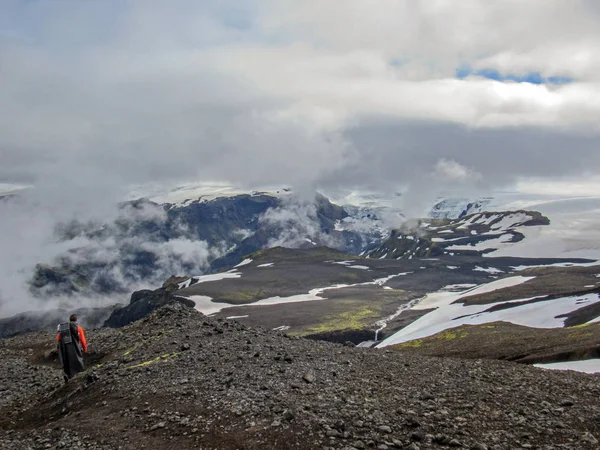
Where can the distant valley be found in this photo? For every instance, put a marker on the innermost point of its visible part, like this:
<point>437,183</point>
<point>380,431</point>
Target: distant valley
<point>337,272</point>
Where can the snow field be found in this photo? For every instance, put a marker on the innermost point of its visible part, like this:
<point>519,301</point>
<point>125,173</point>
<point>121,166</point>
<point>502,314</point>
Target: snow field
<point>587,366</point>
<point>542,314</point>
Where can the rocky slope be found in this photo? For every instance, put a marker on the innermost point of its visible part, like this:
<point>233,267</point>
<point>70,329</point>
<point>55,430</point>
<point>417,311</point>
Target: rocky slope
<point>180,380</point>
<point>507,341</point>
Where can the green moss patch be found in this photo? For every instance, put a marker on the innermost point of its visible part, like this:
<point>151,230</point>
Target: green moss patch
<point>354,319</point>
<point>164,357</point>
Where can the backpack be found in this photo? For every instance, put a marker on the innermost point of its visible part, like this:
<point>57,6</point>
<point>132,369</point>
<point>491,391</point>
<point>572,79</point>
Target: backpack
<point>66,332</point>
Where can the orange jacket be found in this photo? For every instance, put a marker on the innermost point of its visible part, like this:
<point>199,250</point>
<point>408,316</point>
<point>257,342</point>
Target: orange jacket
<point>81,338</point>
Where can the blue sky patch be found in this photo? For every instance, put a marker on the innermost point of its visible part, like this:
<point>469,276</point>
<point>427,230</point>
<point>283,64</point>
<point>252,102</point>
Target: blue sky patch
<point>530,77</point>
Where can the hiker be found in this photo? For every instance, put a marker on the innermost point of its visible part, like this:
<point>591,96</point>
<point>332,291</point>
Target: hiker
<point>71,346</point>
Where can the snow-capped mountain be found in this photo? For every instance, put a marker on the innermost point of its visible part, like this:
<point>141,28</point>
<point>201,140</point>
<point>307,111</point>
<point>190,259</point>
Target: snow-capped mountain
<point>559,226</point>
<point>453,208</point>
<point>151,241</point>
<point>479,233</point>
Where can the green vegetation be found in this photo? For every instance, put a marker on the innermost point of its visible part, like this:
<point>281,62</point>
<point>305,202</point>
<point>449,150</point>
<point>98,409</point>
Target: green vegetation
<point>242,297</point>
<point>416,343</point>
<point>580,334</point>
<point>256,255</point>
<point>353,319</point>
<point>164,357</point>
<point>454,333</point>
<point>432,341</point>
<point>581,325</point>
<point>128,351</point>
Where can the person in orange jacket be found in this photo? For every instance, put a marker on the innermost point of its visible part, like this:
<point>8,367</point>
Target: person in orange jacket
<point>71,346</point>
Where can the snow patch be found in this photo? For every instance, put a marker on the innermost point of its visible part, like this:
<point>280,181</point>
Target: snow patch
<point>541,314</point>
<point>266,265</point>
<point>205,305</point>
<point>216,277</point>
<point>244,263</point>
<point>458,287</point>
<point>587,366</point>
<point>186,193</point>
<point>212,277</point>
<point>491,270</point>
<point>565,264</point>
<point>382,281</point>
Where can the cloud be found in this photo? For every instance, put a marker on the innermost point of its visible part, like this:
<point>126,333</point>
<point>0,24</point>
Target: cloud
<point>450,170</point>
<point>98,97</point>
<point>266,94</point>
<point>434,38</point>
<point>297,224</point>
<point>113,257</point>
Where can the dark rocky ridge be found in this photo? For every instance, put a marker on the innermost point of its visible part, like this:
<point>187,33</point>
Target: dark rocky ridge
<point>143,302</point>
<point>180,380</point>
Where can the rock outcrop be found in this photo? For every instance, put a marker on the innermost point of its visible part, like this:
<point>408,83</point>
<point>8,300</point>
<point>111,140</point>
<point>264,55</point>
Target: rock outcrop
<point>144,302</point>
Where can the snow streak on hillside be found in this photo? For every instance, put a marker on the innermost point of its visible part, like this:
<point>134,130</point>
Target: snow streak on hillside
<point>573,231</point>
<point>186,193</point>
<point>449,313</point>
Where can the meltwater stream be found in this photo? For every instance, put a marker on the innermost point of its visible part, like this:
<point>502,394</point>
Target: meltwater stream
<point>383,322</point>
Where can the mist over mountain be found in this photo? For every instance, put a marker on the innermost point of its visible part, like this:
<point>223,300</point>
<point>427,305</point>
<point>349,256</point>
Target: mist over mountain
<point>147,242</point>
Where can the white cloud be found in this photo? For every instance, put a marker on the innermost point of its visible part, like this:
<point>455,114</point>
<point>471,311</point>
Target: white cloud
<point>101,96</point>
<point>556,37</point>
<point>296,221</point>
<point>266,93</point>
<point>584,186</point>
<point>450,170</point>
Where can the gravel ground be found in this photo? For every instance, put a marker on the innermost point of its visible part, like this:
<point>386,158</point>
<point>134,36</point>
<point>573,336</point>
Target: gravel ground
<point>178,379</point>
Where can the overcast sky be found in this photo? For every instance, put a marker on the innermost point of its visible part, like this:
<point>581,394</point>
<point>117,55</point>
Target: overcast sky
<point>427,98</point>
<point>96,96</point>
